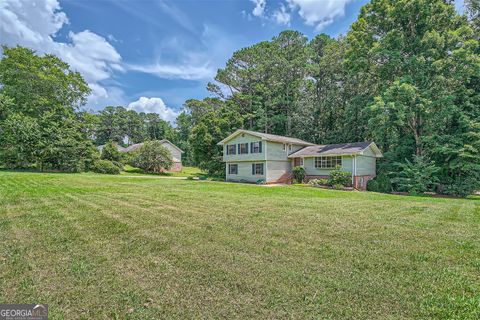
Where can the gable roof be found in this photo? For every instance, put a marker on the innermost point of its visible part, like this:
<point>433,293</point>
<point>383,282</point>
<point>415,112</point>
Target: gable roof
<point>135,146</point>
<point>130,148</point>
<point>119,148</point>
<point>268,137</point>
<point>168,141</point>
<point>337,149</point>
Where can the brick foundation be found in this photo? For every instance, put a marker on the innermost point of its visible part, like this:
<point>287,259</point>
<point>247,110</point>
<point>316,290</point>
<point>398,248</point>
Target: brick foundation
<point>176,167</point>
<point>360,182</point>
<point>285,178</point>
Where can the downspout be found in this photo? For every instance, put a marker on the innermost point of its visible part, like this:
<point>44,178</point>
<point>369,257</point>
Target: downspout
<point>354,169</point>
<point>266,165</point>
<point>226,164</point>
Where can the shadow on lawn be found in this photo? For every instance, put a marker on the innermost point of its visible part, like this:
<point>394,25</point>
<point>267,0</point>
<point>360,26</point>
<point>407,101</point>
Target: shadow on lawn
<point>186,172</point>
<point>35,170</point>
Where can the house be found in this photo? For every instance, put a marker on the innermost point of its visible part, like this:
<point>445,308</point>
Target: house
<point>174,150</point>
<point>253,156</point>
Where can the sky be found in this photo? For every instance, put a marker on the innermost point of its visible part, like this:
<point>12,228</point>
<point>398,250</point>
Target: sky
<point>153,55</point>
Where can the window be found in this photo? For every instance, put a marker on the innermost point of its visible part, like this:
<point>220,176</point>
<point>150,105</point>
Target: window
<point>242,148</point>
<point>256,147</point>
<point>257,168</point>
<point>298,162</point>
<point>233,169</point>
<point>289,147</point>
<point>231,149</point>
<point>284,147</point>
<point>328,162</point>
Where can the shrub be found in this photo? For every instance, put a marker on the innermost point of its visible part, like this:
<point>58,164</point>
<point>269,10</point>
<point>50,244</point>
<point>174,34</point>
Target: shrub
<point>339,177</point>
<point>460,186</point>
<point>152,157</point>
<point>105,167</point>
<point>118,164</point>
<point>261,181</point>
<point>417,176</point>
<point>299,174</point>
<point>323,182</point>
<point>381,183</point>
<point>318,182</point>
<point>110,152</point>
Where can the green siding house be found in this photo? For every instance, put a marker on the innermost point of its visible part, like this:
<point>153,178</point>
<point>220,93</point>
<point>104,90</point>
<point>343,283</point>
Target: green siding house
<point>254,156</point>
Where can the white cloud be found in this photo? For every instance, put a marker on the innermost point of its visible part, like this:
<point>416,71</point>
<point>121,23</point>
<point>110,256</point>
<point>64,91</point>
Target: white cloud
<point>319,13</point>
<point>155,105</point>
<point>186,70</point>
<point>179,16</point>
<point>179,58</point>
<point>281,16</point>
<point>35,24</point>
<point>106,96</point>
<point>259,8</point>
<point>315,13</point>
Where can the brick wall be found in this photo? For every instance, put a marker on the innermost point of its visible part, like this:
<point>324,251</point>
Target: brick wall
<point>360,182</point>
<point>177,167</point>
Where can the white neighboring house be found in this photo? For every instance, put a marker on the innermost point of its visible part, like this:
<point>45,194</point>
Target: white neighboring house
<point>174,150</point>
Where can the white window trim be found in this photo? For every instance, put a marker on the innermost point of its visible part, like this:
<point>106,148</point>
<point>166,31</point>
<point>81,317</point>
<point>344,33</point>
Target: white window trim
<point>234,149</point>
<point>325,157</point>
<point>230,165</point>
<point>252,146</point>
<point>263,169</point>
<point>240,148</point>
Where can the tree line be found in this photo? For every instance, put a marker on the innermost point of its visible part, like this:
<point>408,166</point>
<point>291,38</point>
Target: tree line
<point>406,76</point>
<point>42,125</point>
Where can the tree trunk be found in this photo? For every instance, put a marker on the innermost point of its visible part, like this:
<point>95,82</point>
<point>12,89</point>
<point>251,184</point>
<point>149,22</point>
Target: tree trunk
<point>415,126</point>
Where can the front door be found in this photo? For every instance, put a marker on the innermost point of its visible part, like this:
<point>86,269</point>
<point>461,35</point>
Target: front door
<point>297,162</point>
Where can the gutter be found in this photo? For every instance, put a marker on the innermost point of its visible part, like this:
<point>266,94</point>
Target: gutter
<point>354,169</point>
<point>323,155</point>
<point>266,162</point>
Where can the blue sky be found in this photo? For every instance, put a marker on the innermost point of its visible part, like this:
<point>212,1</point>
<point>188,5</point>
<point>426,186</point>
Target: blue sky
<point>152,55</point>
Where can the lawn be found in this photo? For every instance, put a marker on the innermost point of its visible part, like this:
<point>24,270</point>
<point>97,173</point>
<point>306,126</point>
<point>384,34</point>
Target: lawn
<point>96,247</point>
<point>186,172</point>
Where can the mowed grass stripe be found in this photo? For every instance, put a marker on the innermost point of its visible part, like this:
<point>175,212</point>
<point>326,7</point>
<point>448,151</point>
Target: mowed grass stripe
<point>191,263</point>
<point>162,248</point>
<point>80,268</point>
<point>140,278</point>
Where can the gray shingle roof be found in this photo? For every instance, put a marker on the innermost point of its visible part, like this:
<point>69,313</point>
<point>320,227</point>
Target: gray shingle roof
<point>269,137</point>
<point>119,148</point>
<point>331,149</point>
<point>133,147</point>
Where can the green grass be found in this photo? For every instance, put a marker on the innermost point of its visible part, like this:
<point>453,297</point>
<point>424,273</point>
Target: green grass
<point>96,247</point>
<point>186,172</point>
